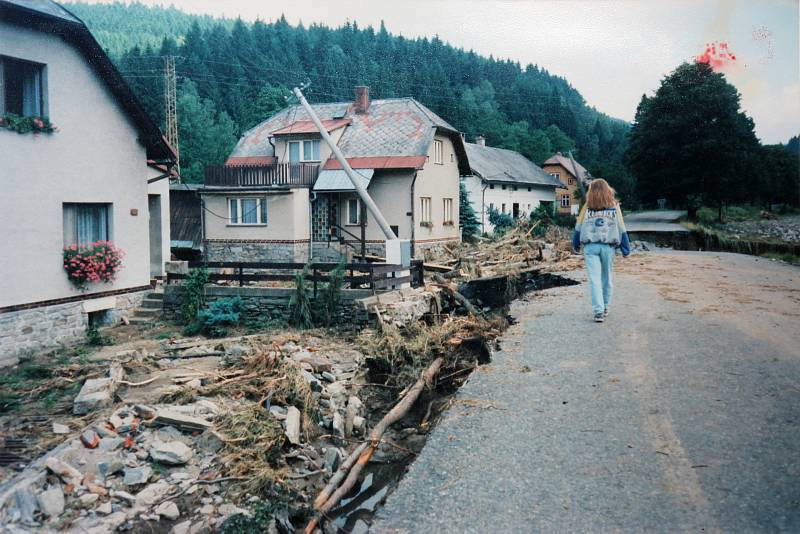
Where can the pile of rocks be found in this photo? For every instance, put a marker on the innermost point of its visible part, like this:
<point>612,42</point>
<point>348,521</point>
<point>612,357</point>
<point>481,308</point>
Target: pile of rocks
<point>785,229</point>
<point>126,468</point>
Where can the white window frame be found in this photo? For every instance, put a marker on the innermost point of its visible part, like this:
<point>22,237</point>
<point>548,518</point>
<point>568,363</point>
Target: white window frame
<point>556,175</point>
<point>41,76</point>
<point>447,211</point>
<point>438,152</point>
<point>425,210</point>
<point>350,204</point>
<point>301,150</point>
<point>565,201</point>
<point>70,221</point>
<point>262,211</point>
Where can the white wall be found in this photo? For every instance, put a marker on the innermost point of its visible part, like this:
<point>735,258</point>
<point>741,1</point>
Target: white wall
<point>528,200</point>
<point>94,157</point>
<point>161,188</point>
<point>287,216</point>
<point>438,182</point>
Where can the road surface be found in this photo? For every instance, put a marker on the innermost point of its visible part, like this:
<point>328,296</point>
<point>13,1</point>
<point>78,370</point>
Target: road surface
<point>681,413</point>
<point>655,221</point>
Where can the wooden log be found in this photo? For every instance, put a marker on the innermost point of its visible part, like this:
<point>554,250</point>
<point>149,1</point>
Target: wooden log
<point>360,457</point>
<point>461,299</point>
<point>437,268</point>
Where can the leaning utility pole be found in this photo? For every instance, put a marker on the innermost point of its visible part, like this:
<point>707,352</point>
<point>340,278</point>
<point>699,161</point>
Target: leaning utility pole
<point>171,102</point>
<point>360,189</point>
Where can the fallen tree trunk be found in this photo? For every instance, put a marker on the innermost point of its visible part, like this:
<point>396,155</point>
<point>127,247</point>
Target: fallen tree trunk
<point>360,457</point>
<point>461,299</point>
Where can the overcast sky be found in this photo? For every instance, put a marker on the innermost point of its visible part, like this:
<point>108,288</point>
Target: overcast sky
<point>612,51</point>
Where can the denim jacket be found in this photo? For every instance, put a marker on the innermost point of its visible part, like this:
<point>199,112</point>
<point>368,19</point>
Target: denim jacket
<point>601,226</point>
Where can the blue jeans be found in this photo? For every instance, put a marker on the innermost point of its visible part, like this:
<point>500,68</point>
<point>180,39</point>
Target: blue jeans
<point>600,266</point>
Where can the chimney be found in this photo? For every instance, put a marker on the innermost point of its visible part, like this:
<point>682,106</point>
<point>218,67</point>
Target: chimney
<point>362,99</point>
<point>480,140</point>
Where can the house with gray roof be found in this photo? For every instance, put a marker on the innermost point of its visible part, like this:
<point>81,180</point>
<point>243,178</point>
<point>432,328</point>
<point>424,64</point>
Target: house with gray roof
<point>282,196</point>
<point>506,181</point>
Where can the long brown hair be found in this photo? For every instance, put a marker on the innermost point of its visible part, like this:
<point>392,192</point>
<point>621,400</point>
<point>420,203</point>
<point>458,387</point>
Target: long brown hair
<point>601,195</point>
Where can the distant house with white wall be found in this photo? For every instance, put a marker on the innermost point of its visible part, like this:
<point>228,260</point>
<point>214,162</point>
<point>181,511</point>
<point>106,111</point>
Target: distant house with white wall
<point>572,176</point>
<point>282,196</point>
<point>507,181</point>
<point>103,175</point>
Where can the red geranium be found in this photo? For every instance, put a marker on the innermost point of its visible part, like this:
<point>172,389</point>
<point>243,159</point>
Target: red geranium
<point>95,262</point>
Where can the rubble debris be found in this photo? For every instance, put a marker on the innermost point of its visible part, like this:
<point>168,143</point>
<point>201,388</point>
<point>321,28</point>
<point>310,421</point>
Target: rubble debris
<point>172,453</point>
<point>169,510</point>
<point>135,476</point>
<point>168,417</point>
<point>152,494</point>
<point>51,501</point>
<point>66,472</point>
<point>293,425</point>
<point>90,439</point>
<point>98,392</point>
<point>58,428</point>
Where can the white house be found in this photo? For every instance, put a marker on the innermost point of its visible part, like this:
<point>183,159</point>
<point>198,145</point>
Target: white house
<point>103,174</point>
<point>506,181</point>
<point>282,196</point>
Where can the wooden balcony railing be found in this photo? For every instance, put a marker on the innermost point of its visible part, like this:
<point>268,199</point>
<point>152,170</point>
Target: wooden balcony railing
<point>279,174</point>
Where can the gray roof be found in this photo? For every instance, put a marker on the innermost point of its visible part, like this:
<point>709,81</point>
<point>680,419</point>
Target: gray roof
<point>502,165</point>
<point>390,127</point>
<point>577,170</point>
<point>46,7</point>
<point>337,180</point>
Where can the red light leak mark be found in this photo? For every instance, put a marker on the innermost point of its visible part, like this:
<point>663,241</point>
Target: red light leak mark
<point>717,55</point>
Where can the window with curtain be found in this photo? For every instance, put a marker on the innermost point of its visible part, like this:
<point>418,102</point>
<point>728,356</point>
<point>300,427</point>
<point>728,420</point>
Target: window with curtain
<point>353,215</point>
<point>294,152</point>
<point>247,210</point>
<point>23,87</point>
<point>425,210</point>
<point>86,223</point>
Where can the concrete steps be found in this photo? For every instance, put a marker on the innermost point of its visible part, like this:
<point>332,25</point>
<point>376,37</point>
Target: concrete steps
<point>150,310</point>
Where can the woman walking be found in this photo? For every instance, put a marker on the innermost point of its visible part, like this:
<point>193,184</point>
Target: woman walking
<point>600,229</point>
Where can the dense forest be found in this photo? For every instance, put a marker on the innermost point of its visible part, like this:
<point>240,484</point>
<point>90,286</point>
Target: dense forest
<point>233,74</point>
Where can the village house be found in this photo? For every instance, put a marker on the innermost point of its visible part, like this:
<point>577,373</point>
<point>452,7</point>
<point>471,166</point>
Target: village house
<point>102,175</point>
<point>281,196</point>
<point>570,173</point>
<point>505,181</point>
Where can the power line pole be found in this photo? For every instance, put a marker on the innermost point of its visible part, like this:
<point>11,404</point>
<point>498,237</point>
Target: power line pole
<point>354,178</point>
<point>171,103</point>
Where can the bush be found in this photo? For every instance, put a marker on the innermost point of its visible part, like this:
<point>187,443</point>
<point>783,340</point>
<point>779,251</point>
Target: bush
<point>194,294</point>
<point>219,315</point>
<point>706,216</point>
<point>546,218</point>
<point>333,293</point>
<point>300,305</point>
<point>502,222</point>
<point>95,338</point>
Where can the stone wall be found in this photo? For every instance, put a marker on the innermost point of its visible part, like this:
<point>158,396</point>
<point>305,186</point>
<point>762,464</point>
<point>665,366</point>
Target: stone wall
<point>48,327</point>
<point>265,251</point>
<point>261,303</point>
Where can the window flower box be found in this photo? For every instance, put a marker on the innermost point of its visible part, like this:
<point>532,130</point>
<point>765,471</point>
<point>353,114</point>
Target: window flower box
<point>96,262</point>
<point>23,125</point>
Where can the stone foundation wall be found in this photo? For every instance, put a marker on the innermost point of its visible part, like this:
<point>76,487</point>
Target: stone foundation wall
<point>261,303</point>
<point>49,327</point>
<point>266,251</point>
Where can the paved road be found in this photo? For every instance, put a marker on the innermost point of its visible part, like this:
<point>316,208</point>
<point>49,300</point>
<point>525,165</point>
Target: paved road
<point>680,413</point>
<point>655,221</point>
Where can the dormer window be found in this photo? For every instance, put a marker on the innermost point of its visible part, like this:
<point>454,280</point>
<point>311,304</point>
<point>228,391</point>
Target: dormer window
<point>22,87</point>
<point>304,151</point>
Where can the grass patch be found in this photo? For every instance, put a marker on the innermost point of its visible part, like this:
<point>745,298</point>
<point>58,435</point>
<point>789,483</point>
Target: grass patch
<point>165,335</point>
<point>788,257</point>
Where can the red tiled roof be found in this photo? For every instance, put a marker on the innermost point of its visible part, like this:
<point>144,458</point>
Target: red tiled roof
<point>239,161</point>
<point>380,162</point>
<point>301,127</point>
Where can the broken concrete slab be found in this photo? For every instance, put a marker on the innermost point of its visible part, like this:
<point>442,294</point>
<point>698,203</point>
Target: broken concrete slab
<point>137,475</point>
<point>293,425</point>
<point>317,361</point>
<point>189,423</point>
<point>169,510</point>
<point>152,494</point>
<point>51,501</point>
<point>59,428</point>
<point>98,392</point>
<point>66,472</point>
<point>26,505</point>
<point>172,453</point>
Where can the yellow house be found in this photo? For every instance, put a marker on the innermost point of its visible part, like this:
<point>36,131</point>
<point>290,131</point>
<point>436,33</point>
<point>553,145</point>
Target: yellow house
<point>568,172</point>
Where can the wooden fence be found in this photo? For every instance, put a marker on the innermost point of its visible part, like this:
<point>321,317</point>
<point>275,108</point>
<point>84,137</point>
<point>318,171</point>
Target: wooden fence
<point>375,276</point>
<point>283,174</point>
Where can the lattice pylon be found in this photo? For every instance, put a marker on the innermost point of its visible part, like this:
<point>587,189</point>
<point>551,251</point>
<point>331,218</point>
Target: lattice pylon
<point>171,103</point>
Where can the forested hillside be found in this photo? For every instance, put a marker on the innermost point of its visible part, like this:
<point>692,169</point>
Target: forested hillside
<point>233,74</point>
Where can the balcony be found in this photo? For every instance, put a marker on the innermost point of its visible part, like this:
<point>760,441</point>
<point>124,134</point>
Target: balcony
<point>276,175</point>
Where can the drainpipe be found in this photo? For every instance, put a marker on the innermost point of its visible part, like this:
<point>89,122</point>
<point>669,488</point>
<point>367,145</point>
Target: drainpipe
<point>413,223</point>
<point>483,207</point>
<point>203,228</point>
<point>312,199</point>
